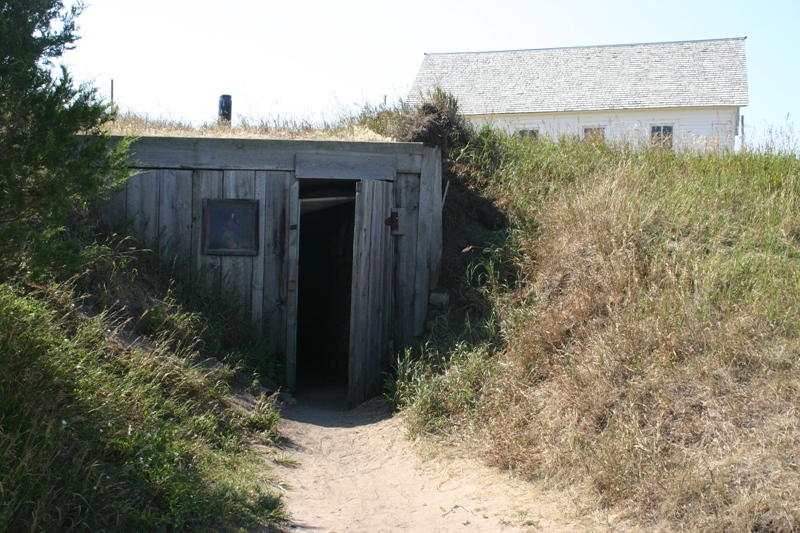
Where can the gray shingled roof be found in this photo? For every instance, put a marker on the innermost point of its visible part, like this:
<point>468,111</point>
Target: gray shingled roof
<point>635,76</point>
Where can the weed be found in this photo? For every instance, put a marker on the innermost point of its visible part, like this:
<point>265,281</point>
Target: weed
<point>263,418</point>
<point>286,460</point>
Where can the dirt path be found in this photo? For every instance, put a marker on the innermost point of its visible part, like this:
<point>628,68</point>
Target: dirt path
<point>356,471</point>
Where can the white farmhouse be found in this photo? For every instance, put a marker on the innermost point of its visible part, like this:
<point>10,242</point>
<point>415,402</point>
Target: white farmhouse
<point>685,95</point>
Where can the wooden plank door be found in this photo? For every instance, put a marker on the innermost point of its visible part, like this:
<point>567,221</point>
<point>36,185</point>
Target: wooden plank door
<point>371,295</point>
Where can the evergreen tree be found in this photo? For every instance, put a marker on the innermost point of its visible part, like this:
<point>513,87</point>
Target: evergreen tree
<point>53,152</point>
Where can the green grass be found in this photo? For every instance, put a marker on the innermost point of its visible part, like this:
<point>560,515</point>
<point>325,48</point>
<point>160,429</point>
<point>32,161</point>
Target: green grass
<point>644,330</point>
<point>97,434</point>
<point>115,385</point>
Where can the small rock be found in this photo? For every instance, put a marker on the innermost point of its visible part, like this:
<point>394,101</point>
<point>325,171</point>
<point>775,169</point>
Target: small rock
<point>287,399</point>
<point>439,299</point>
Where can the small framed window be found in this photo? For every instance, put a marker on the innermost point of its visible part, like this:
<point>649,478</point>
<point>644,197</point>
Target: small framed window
<point>661,136</point>
<point>530,134</point>
<point>594,134</point>
<point>230,227</point>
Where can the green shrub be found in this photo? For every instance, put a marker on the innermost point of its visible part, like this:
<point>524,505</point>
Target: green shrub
<point>45,169</point>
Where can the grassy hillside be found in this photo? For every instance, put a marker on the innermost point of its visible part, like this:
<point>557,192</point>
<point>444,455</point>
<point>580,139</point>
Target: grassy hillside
<point>104,428</point>
<point>635,328</point>
<point>627,322</point>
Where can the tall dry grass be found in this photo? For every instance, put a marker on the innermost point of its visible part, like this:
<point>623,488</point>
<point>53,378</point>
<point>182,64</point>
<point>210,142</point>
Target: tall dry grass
<point>647,341</point>
<point>339,127</point>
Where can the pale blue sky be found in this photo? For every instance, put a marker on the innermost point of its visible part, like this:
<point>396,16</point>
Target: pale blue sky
<point>306,58</point>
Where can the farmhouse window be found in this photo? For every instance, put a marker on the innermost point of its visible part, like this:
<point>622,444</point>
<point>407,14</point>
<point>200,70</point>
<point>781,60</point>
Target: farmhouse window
<point>661,136</point>
<point>594,134</point>
<point>533,134</point>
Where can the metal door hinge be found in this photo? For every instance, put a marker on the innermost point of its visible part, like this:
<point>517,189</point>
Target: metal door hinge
<point>397,221</point>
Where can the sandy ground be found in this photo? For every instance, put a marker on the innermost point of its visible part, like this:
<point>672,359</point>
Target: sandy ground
<point>357,471</point>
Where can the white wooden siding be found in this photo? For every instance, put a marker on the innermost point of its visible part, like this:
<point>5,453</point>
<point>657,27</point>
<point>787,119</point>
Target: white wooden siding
<point>701,129</point>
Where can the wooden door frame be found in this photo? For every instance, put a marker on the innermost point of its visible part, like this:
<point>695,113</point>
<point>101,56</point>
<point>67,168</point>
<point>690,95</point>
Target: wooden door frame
<point>380,297</point>
<point>293,254</point>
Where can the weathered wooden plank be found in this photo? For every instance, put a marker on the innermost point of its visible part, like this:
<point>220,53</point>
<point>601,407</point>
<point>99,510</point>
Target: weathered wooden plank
<point>142,206</point>
<point>409,163</point>
<point>256,154</point>
<point>406,196</point>
<point>371,308</point>
<point>151,207</point>
<point>436,223</point>
<point>387,292</point>
<point>133,204</point>
<point>348,166</point>
<point>175,219</point>
<point>210,154</point>
<point>292,255</point>
<point>114,212</point>
<point>257,281</point>
<point>166,225</point>
<point>373,316</point>
<point>237,270</point>
<point>425,236</point>
<point>281,238</point>
<point>207,185</point>
<point>273,193</point>
<point>359,299</point>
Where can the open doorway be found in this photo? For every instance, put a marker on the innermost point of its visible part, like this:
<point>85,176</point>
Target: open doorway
<point>325,267</point>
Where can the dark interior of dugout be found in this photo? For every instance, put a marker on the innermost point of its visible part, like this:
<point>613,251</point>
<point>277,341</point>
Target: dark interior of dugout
<point>325,267</point>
